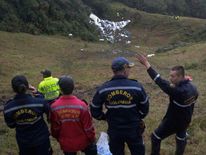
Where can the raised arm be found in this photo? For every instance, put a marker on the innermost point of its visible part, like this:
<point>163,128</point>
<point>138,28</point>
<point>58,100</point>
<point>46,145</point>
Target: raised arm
<point>162,83</point>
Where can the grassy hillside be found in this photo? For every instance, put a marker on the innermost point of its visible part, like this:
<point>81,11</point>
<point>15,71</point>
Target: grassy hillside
<point>64,17</point>
<point>155,30</point>
<point>192,8</point>
<point>28,54</point>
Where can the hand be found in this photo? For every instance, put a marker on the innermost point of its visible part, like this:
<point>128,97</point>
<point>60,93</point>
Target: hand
<point>187,77</point>
<point>33,89</point>
<point>142,126</point>
<point>143,60</point>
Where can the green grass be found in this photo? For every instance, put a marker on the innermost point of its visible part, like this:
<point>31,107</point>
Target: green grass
<point>152,30</point>
<point>27,54</point>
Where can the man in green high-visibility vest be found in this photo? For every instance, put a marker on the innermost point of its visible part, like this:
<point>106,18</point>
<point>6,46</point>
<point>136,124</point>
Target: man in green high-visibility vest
<point>49,86</point>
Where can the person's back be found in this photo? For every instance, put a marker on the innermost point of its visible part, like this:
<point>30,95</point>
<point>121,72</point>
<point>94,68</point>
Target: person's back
<point>123,97</point>
<point>71,123</point>
<point>71,111</point>
<point>25,114</point>
<point>127,104</point>
<point>49,86</point>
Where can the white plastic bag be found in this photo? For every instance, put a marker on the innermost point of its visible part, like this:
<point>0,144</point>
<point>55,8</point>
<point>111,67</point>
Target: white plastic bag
<point>102,145</point>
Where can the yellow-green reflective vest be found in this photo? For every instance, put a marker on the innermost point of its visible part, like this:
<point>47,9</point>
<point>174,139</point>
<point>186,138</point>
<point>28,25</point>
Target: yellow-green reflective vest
<point>49,88</point>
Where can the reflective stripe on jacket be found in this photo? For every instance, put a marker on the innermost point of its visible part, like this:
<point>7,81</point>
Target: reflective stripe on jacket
<point>71,124</point>
<point>25,114</point>
<point>49,88</point>
<point>125,100</point>
<point>182,99</point>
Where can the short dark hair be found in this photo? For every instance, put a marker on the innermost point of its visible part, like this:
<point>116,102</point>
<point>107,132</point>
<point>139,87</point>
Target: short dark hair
<point>179,69</point>
<point>46,73</point>
<point>19,84</point>
<point>66,84</point>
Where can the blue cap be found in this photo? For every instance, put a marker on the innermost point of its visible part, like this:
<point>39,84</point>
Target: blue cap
<point>120,63</point>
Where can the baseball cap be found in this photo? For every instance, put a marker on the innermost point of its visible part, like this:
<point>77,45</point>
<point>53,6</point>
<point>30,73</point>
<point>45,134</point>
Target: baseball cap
<point>120,63</point>
<point>46,72</point>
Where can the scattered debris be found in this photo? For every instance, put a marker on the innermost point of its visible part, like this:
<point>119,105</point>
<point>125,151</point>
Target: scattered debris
<point>176,17</point>
<point>70,35</point>
<point>124,35</point>
<point>117,14</point>
<point>150,55</point>
<point>112,31</point>
<point>101,39</point>
<point>128,42</point>
<point>137,46</point>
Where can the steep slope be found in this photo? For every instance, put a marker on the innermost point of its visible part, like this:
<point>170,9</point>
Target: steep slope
<point>28,54</point>
<point>191,8</point>
<point>72,16</point>
<point>89,64</point>
<point>155,30</point>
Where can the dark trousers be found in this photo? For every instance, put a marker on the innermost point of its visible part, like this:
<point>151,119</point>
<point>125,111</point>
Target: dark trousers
<point>90,150</point>
<point>164,130</point>
<point>43,149</point>
<point>133,138</point>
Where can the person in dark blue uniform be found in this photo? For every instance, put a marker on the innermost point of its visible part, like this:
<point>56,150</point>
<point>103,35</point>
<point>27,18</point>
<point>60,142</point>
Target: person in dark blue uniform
<point>25,114</point>
<point>127,104</point>
<point>182,95</point>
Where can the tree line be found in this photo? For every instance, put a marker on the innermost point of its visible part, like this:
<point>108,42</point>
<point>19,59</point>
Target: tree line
<point>192,8</point>
<point>47,17</point>
<point>72,16</point>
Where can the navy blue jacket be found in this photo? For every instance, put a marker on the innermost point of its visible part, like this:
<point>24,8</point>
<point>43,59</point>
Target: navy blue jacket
<point>125,100</point>
<point>182,99</point>
<point>25,114</point>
